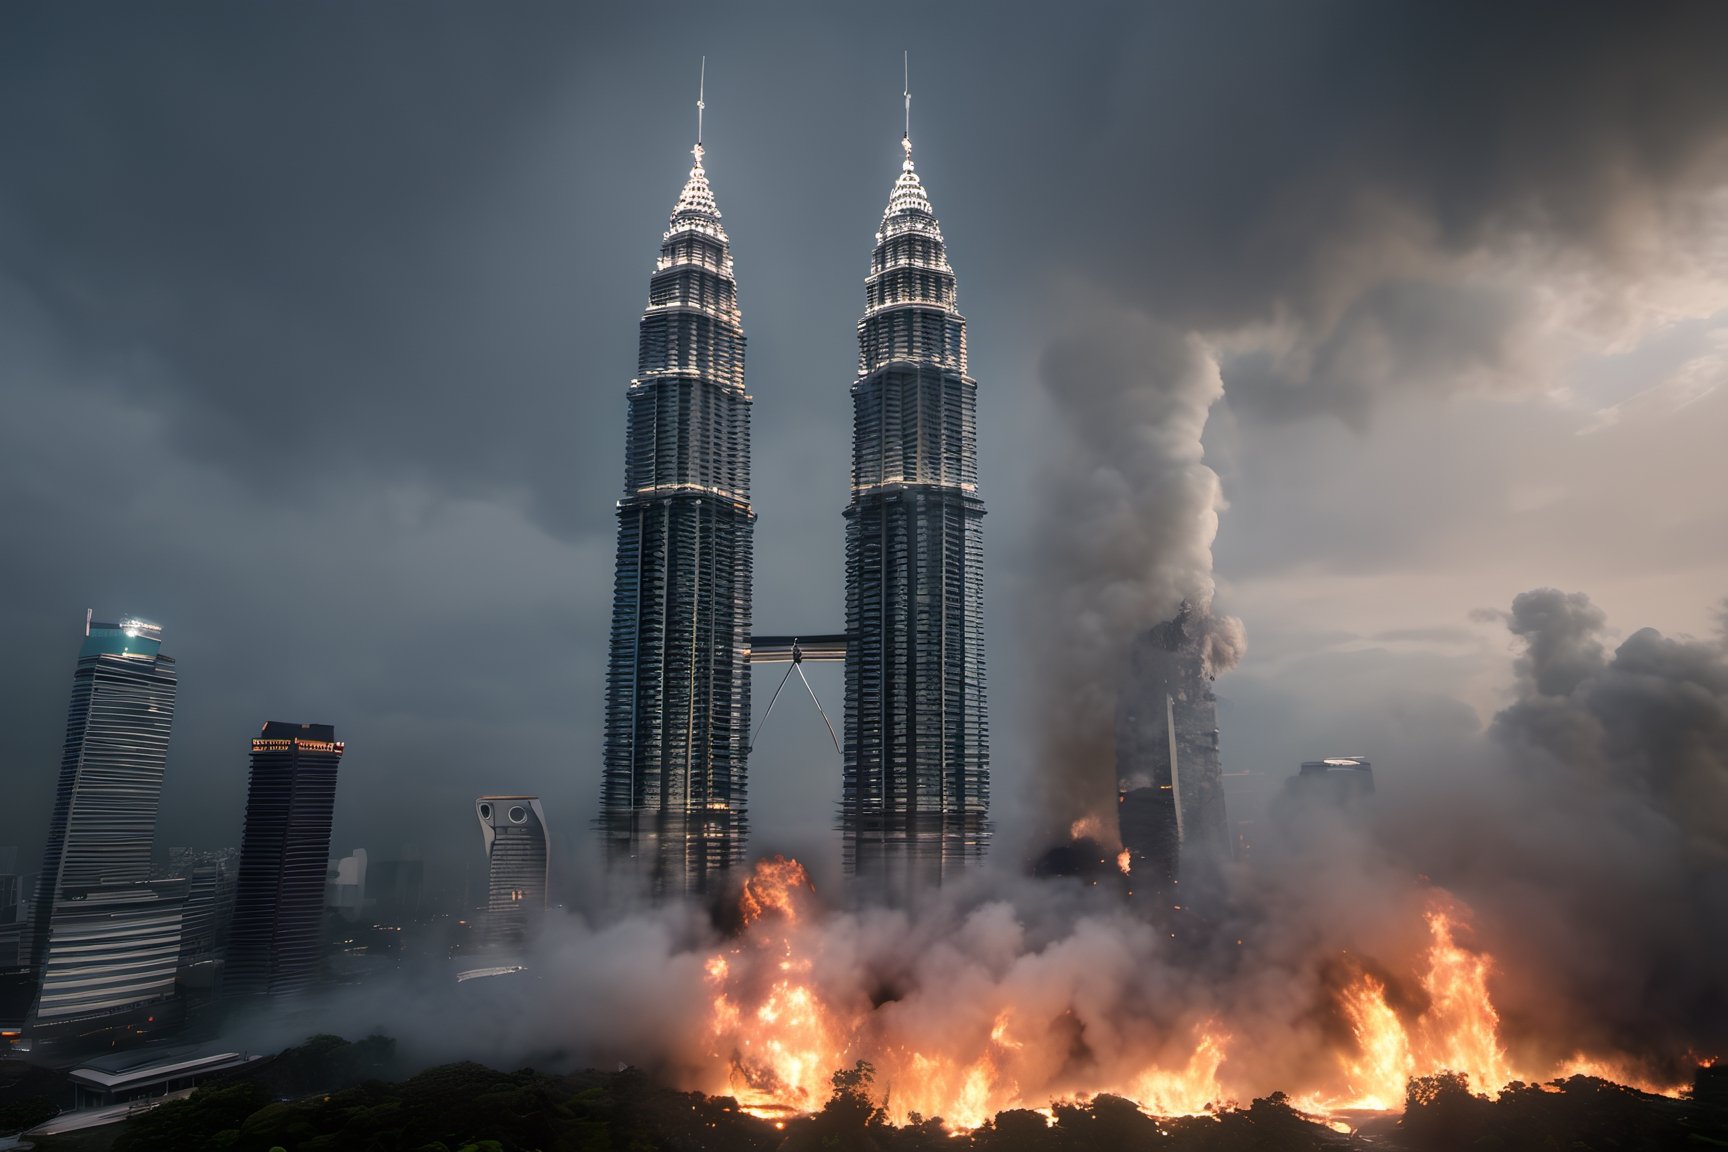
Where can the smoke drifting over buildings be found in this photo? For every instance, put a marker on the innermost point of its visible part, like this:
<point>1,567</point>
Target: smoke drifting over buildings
<point>1129,513</point>
<point>1372,230</point>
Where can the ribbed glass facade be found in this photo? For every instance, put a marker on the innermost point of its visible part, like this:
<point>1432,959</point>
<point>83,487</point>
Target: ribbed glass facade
<point>103,939</point>
<point>517,859</point>
<point>112,949</point>
<point>916,749</point>
<point>274,941</point>
<point>678,681</point>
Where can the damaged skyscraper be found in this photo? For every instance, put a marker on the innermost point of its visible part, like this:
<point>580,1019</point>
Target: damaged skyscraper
<point>678,681</point>
<point>916,785</point>
<point>1171,790</point>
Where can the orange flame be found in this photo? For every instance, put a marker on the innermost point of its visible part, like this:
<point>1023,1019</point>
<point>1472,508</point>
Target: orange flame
<point>1086,828</point>
<point>781,1039</point>
<point>779,1031</point>
<point>771,887</point>
<point>1459,1031</point>
<point>1125,861</point>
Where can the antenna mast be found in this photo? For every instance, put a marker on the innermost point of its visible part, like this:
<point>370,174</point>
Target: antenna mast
<point>906,65</point>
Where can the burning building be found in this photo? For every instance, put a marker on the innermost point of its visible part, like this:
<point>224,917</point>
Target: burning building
<point>1170,788</point>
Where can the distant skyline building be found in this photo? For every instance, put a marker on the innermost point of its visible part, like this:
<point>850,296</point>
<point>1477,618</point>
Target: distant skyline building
<point>397,886</point>
<point>210,883</point>
<point>274,944</point>
<point>916,760</point>
<point>104,941</point>
<point>1333,787</point>
<point>677,725</point>
<point>345,887</point>
<point>1170,785</point>
<point>518,862</point>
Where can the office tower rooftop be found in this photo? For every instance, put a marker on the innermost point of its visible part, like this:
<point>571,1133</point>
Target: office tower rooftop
<point>678,679</point>
<point>274,943</point>
<point>916,774</point>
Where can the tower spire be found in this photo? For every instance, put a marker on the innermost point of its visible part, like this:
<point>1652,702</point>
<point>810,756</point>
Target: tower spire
<point>906,93</point>
<point>701,90</point>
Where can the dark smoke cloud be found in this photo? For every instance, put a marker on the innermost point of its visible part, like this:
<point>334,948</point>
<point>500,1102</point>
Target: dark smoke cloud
<point>1414,202</point>
<point>1591,835</point>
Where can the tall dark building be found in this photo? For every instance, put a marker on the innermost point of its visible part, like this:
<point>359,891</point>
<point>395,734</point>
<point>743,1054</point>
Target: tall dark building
<point>678,682</point>
<point>1172,808</point>
<point>274,939</point>
<point>105,940</point>
<point>916,748</point>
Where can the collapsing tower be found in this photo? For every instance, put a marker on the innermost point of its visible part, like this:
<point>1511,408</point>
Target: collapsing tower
<point>678,683</point>
<point>1171,789</point>
<point>916,738</point>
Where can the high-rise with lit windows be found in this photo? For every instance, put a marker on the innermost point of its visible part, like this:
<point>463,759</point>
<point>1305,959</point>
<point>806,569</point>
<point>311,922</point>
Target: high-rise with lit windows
<point>678,680</point>
<point>916,760</point>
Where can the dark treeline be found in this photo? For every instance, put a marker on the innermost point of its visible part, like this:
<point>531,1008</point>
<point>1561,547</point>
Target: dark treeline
<point>329,1095</point>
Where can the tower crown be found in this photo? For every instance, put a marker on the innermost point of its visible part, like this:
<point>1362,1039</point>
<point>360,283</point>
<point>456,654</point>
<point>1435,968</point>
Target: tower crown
<point>696,210</point>
<point>909,207</point>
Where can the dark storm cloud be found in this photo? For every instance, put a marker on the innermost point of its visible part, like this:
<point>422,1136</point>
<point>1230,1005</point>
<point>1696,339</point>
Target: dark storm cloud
<point>1334,168</point>
<point>317,319</point>
<point>291,219</point>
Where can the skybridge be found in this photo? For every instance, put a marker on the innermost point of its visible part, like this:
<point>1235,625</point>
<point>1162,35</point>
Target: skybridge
<point>795,652</point>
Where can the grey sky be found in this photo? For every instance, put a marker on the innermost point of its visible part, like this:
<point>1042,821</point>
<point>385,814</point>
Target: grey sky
<point>317,319</point>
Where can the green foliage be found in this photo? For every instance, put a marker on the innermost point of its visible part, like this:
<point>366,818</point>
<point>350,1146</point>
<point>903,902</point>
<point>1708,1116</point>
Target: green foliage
<point>202,1120</point>
<point>26,1113</point>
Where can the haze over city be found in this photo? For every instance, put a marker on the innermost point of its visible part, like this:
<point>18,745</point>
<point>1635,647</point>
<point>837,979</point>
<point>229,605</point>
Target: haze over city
<point>1388,340</point>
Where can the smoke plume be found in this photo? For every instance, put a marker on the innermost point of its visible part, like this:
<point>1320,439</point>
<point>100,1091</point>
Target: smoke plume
<point>1126,529</point>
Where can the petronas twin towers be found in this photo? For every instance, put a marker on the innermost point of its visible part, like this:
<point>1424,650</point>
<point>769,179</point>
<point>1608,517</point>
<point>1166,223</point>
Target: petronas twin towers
<point>915,783</point>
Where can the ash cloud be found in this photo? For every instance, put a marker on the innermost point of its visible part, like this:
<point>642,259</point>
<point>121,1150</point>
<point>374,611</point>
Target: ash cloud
<point>1129,513</point>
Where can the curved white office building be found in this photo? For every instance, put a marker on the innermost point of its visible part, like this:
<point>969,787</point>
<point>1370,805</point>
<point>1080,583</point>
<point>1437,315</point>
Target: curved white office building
<point>517,860</point>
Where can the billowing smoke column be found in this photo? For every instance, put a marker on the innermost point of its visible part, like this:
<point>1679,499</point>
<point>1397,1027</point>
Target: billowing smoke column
<point>1126,531</point>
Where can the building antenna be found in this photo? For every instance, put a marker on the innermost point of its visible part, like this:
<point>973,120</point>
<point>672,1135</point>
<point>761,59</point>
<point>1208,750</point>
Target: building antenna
<point>701,90</point>
<point>906,65</point>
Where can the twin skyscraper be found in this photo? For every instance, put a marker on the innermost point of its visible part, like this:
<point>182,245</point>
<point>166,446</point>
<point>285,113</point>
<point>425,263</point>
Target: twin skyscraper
<point>915,765</point>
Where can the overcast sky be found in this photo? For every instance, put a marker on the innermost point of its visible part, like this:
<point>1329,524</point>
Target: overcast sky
<point>316,320</point>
